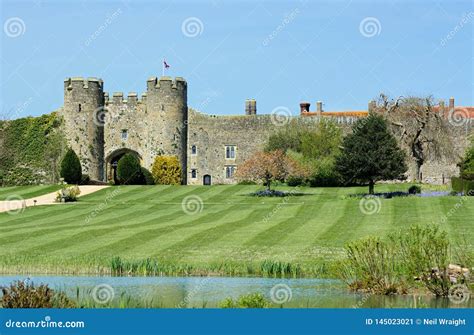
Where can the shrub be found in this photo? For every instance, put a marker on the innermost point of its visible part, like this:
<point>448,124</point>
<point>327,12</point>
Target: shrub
<point>68,194</point>
<point>247,182</point>
<point>423,250</point>
<point>460,185</point>
<point>25,295</point>
<point>254,300</point>
<point>414,189</point>
<point>295,181</point>
<point>370,266</point>
<point>147,177</point>
<point>166,170</point>
<point>270,193</point>
<point>391,265</point>
<point>71,169</point>
<point>129,171</point>
<point>326,175</point>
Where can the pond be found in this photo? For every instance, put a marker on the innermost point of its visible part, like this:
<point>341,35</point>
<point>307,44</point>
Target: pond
<point>210,291</point>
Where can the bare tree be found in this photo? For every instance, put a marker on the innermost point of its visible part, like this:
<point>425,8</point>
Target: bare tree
<point>421,129</point>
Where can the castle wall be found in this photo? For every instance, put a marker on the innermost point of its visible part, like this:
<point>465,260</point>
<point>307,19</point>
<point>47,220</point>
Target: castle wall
<point>248,133</point>
<point>160,123</point>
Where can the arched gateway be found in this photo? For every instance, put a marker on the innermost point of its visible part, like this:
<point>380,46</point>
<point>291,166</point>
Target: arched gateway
<point>111,162</point>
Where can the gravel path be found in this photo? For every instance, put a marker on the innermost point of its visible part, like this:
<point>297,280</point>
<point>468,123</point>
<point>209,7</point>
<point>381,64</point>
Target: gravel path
<point>46,199</point>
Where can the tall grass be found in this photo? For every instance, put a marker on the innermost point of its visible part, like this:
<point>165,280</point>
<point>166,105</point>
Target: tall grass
<point>403,260</point>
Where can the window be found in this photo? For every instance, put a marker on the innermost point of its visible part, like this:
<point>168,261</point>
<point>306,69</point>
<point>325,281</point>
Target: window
<point>193,174</point>
<point>193,150</point>
<point>124,134</point>
<point>80,108</point>
<point>230,151</point>
<point>229,171</point>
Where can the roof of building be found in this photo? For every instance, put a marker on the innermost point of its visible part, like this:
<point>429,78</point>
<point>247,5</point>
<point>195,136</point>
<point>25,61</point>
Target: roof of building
<point>360,113</point>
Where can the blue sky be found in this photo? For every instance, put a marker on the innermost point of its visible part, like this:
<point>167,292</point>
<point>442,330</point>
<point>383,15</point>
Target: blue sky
<point>343,53</point>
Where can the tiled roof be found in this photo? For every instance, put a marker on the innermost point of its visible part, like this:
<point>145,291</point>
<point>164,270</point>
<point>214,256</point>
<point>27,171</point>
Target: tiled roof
<point>340,113</point>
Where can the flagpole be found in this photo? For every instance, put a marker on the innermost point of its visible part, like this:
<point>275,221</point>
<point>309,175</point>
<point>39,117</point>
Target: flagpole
<point>163,67</point>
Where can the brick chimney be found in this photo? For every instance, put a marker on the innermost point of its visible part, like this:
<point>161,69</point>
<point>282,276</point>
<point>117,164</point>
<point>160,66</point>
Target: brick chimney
<point>304,107</point>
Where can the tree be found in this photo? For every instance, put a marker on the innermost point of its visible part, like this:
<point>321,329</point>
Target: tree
<point>371,153</point>
<point>421,129</point>
<point>166,170</point>
<point>129,171</point>
<point>266,167</point>
<point>323,142</point>
<point>71,169</point>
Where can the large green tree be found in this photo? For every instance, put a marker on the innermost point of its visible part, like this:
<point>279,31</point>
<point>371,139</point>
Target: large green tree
<point>370,153</point>
<point>71,169</point>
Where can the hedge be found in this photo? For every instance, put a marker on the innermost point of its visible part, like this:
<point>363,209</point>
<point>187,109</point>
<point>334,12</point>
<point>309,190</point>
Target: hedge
<point>460,185</point>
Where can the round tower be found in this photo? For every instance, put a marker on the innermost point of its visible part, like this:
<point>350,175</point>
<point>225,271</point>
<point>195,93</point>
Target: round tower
<point>167,108</point>
<point>83,120</point>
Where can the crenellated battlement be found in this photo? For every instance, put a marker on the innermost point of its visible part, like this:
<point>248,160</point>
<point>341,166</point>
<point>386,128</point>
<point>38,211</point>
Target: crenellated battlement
<point>118,99</point>
<point>153,83</point>
<point>84,83</point>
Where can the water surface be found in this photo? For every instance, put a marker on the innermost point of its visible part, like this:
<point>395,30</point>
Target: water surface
<point>210,291</point>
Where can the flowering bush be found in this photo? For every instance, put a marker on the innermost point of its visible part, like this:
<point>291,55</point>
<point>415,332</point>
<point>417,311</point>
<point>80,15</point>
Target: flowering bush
<point>68,194</point>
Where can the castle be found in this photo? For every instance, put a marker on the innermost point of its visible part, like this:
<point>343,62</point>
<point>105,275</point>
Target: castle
<point>101,129</point>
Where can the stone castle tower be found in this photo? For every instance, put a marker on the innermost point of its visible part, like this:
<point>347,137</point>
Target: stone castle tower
<point>83,98</point>
<point>101,130</point>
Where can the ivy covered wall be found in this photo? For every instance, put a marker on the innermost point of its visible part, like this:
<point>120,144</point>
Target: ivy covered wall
<point>31,149</point>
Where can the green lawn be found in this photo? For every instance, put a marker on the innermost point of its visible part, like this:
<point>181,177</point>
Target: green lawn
<point>138,222</point>
<point>26,192</point>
